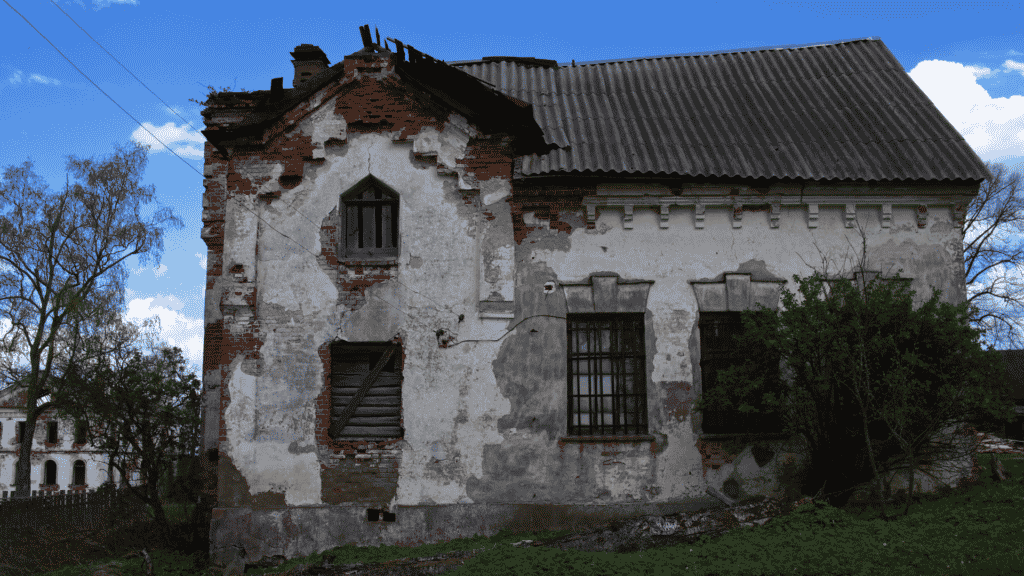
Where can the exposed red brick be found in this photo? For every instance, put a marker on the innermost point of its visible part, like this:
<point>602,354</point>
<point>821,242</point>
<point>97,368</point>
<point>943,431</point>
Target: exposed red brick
<point>713,454</point>
<point>489,157</point>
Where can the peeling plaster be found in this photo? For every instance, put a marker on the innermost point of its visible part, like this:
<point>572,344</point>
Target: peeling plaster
<point>265,466</point>
<point>484,420</point>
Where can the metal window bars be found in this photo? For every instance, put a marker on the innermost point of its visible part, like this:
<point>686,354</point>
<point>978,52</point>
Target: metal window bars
<point>607,389</point>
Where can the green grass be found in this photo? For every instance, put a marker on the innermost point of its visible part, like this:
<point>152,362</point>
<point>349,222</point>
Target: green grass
<point>979,531</point>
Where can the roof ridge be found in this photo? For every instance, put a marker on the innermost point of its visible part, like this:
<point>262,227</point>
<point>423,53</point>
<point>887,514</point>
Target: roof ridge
<point>703,53</point>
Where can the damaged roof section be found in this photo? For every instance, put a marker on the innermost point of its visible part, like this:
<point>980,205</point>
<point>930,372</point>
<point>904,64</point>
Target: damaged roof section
<point>839,111</point>
<point>830,111</point>
<point>489,109</point>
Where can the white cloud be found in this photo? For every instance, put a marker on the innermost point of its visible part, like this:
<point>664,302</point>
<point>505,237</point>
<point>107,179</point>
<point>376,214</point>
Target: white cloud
<point>202,260</point>
<point>18,77</point>
<point>175,328</point>
<point>994,127</point>
<point>157,271</point>
<point>169,134</point>
<point>189,152</point>
<point>981,71</point>
<point>1011,65</point>
<point>43,79</point>
<point>101,4</point>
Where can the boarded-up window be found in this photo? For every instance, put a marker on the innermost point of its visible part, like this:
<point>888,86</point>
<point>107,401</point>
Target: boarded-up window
<point>719,350</point>
<point>377,416</point>
<point>607,374</point>
<point>370,220</point>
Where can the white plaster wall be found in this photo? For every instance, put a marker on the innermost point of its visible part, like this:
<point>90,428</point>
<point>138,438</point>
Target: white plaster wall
<point>270,421</point>
<point>674,256</point>
<point>62,455</point>
<point>450,396</point>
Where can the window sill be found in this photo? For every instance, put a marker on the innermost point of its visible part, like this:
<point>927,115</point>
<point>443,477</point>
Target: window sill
<point>607,439</point>
<point>363,260</point>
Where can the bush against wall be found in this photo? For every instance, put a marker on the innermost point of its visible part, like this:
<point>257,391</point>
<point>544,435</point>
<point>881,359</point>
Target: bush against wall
<point>867,380</point>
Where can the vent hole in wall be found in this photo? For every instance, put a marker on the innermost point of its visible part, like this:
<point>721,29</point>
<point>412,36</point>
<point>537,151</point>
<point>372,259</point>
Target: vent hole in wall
<point>374,515</point>
<point>762,454</point>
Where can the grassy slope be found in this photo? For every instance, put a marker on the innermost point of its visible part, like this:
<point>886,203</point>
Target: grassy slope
<point>977,532</point>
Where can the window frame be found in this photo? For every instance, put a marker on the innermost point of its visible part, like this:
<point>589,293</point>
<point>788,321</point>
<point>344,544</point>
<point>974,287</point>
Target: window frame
<point>46,473</point>
<point>383,403</point>
<point>618,325</point>
<point>733,423</point>
<point>79,464</point>
<point>52,432</point>
<point>349,210</point>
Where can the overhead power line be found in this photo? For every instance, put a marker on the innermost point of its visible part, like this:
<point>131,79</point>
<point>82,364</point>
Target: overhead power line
<point>125,67</point>
<point>101,89</point>
<point>414,320</point>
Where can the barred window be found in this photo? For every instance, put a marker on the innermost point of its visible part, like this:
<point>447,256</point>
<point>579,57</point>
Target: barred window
<point>370,220</point>
<point>719,350</point>
<point>365,406</point>
<point>607,375</point>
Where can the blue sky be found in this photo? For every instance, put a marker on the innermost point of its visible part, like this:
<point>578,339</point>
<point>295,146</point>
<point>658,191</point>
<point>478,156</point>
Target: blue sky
<point>968,57</point>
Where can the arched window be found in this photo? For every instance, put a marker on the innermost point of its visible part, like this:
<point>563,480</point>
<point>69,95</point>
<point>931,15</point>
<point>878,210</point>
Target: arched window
<point>50,476</point>
<point>79,477</point>
<point>369,214</point>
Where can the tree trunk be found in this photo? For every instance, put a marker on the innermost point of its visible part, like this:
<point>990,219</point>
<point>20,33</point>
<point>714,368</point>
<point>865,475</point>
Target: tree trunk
<point>910,482</point>
<point>876,485</point>
<point>23,470</point>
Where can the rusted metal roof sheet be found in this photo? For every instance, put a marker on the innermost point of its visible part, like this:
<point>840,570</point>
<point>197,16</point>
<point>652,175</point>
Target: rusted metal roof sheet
<point>838,111</point>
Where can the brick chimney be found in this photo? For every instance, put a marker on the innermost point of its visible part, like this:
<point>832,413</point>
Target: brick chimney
<point>309,60</point>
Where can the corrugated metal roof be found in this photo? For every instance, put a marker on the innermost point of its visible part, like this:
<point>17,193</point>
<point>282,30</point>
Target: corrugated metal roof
<point>844,110</point>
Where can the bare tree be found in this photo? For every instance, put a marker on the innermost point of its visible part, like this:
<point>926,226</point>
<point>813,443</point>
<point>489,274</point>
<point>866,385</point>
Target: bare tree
<point>62,268</point>
<point>993,251</point>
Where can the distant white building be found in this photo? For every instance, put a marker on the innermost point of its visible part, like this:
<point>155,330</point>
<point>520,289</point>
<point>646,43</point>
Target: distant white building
<point>61,459</point>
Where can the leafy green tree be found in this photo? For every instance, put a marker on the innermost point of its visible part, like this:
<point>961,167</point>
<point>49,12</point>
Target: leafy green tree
<point>867,381</point>
<point>144,410</point>
<point>62,267</point>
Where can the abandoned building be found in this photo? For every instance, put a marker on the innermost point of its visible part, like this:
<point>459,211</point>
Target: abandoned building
<point>449,298</point>
<point>62,459</point>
